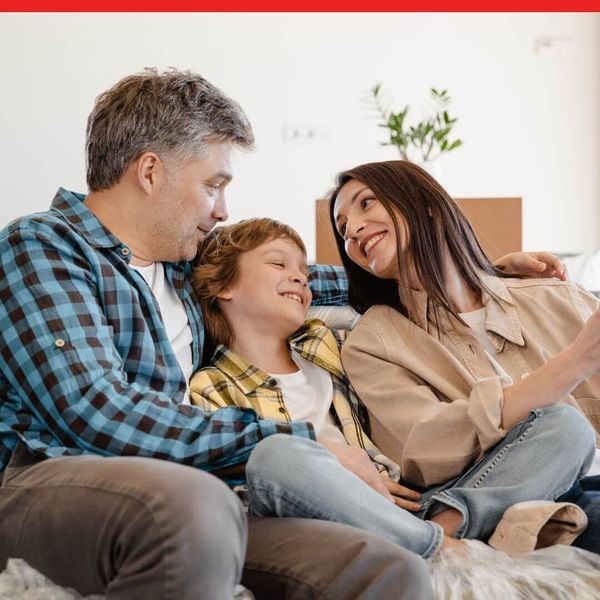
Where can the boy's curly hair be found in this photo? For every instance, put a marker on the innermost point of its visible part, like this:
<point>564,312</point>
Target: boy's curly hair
<point>215,266</point>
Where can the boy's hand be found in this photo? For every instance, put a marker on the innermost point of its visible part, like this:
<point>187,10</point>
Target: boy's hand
<point>403,496</point>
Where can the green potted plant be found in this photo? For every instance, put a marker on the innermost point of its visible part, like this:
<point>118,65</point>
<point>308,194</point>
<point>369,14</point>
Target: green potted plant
<point>421,142</point>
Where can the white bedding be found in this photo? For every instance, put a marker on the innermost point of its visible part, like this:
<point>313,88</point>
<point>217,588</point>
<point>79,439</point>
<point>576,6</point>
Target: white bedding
<point>595,469</point>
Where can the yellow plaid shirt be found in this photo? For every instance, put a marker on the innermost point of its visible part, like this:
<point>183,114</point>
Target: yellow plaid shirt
<point>232,381</point>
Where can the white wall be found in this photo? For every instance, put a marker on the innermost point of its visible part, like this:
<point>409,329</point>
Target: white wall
<point>530,121</point>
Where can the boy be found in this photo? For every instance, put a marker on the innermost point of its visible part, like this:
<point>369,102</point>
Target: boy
<point>251,281</point>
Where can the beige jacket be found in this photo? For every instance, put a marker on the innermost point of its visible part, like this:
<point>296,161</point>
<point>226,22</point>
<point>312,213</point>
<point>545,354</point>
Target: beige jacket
<point>435,404</point>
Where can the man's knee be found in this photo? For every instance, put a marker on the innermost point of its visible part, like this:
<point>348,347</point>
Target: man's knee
<point>127,526</point>
<point>195,507</point>
<point>189,532</point>
<point>167,514</point>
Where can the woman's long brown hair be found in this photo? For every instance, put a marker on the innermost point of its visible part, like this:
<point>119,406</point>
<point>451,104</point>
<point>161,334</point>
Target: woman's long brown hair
<point>435,225</point>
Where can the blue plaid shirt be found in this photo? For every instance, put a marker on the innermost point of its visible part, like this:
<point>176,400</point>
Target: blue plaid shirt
<point>85,363</point>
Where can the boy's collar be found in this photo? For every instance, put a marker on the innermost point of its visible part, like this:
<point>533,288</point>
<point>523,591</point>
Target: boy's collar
<point>247,376</point>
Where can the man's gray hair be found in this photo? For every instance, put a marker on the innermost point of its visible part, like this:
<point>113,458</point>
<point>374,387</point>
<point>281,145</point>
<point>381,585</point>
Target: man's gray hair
<point>175,114</point>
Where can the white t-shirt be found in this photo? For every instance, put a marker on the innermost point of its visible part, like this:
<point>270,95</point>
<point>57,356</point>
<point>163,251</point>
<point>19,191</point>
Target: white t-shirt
<point>174,318</point>
<point>308,394</point>
<point>476,321</point>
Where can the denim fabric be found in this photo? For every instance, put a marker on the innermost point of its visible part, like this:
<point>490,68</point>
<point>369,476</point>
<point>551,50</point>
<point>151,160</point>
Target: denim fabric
<point>586,494</point>
<point>539,459</point>
<point>293,477</point>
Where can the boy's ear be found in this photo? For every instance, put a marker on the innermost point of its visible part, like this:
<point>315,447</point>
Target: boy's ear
<point>224,295</point>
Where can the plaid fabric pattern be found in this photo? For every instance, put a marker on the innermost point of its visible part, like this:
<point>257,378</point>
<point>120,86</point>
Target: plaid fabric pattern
<point>329,285</point>
<point>85,363</point>
<point>232,381</point>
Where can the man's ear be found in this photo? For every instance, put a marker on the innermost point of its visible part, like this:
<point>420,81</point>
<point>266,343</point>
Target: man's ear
<point>149,170</point>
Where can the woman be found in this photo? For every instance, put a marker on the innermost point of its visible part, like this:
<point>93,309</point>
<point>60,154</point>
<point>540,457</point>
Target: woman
<point>475,383</point>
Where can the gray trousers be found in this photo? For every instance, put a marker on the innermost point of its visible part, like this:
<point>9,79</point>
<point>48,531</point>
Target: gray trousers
<point>144,529</point>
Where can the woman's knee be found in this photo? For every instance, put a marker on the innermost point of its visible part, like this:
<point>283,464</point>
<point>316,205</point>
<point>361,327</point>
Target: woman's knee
<point>571,422</point>
<point>571,432</point>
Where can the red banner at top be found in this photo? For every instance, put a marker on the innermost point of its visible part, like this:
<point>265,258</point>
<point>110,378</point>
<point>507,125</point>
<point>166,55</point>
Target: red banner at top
<point>298,6</point>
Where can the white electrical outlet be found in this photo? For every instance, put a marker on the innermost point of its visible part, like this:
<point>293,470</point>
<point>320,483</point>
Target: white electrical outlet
<point>303,134</point>
<point>555,46</point>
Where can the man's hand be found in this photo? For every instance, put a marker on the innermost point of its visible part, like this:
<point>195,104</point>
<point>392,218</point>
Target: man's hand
<point>532,264</point>
<point>357,461</point>
<point>403,496</point>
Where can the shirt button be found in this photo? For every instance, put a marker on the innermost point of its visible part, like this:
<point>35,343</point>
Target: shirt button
<point>125,251</point>
<point>281,409</point>
<point>272,382</point>
<point>59,342</point>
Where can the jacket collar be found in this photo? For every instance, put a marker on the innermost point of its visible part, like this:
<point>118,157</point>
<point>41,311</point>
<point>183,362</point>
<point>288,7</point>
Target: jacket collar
<point>501,318</point>
<point>501,314</point>
<point>246,376</point>
<point>313,341</point>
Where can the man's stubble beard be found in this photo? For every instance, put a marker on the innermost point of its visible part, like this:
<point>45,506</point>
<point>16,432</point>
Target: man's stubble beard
<point>175,245</point>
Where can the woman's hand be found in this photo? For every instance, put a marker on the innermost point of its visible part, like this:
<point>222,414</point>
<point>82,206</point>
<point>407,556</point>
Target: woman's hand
<point>403,496</point>
<point>532,264</point>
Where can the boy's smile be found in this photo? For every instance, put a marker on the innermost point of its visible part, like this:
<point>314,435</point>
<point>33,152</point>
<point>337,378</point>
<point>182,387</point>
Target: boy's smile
<point>271,290</point>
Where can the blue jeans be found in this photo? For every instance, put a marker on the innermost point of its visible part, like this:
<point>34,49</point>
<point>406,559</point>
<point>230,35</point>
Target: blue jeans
<point>295,477</point>
<point>586,494</point>
<point>540,458</point>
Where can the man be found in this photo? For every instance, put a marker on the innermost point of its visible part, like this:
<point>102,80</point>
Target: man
<point>104,465</point>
